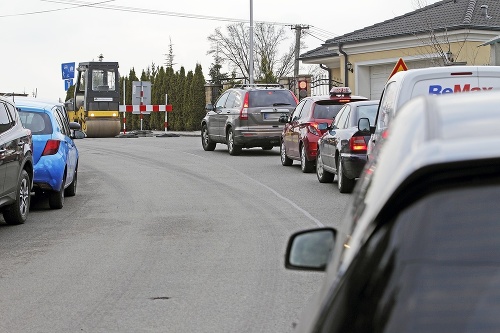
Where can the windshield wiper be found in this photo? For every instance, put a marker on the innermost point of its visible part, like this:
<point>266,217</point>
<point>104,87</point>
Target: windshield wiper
<point>277,104</point>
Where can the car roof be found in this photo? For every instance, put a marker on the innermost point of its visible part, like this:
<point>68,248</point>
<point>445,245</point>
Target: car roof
<point>35,103</point>
<point>428,132</point>
<point>367,102</point>
<point>328,98</point>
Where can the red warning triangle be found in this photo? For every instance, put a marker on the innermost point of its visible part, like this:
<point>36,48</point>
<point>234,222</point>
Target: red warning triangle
<point>400,66</point>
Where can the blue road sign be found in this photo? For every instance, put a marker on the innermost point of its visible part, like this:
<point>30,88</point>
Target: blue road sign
<point>68,70</point>
<point>68,83</point>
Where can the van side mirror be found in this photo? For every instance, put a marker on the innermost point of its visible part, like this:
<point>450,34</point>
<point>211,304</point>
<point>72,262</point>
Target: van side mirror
<point>310,249</point>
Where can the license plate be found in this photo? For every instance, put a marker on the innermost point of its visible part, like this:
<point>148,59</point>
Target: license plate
<point>271,115</point>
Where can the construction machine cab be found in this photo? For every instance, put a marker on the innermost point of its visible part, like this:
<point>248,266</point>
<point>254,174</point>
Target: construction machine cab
<point>96,98</point>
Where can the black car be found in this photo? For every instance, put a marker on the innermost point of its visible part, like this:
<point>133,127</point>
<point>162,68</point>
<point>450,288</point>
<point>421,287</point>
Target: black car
<point>342,149</point>
<point>419,247</point>
<point>16,165</point>
<point>247,116</point>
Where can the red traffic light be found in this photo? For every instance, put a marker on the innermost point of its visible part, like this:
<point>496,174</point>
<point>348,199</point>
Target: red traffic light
<point>302,88</point>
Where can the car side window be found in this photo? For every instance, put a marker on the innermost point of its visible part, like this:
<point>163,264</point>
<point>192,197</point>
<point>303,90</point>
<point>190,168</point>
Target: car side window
<point>387,106</point>
<point>65,120</point>
<point>306,110</point>
<point>222,101</point>
<point>59,121</point>
<point>342,119</point>
<point>6,120</point>
<point>12,112</point>
<point>237,100</point>
<point>230,99</point>
<point>296,113</point>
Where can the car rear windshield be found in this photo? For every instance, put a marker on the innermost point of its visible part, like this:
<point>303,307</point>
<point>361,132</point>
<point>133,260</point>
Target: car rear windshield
<point>37,122</point>
<point>263,98</point>
<point>326,111</point>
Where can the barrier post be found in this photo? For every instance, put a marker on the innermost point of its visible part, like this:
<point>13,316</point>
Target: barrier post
<point>166,118</point>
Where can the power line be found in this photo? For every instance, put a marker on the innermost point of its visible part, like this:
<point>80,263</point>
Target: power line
<point>54,10</point>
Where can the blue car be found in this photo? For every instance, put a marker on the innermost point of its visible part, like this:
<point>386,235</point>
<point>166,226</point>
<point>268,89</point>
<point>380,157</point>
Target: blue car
<point>55,155</point>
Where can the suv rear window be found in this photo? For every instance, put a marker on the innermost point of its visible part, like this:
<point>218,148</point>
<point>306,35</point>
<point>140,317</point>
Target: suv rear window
<point>262,98</point>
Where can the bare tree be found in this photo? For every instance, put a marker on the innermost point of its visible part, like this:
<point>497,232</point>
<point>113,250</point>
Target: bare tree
<point>234,48</point>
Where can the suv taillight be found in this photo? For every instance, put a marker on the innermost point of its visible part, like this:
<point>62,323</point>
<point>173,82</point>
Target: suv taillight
<point>357,143</point>
<point>51,147</point>
<point>244,108</point>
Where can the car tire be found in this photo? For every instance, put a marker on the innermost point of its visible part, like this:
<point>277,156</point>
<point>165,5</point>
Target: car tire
<point>56,198</point>
<point>17,212</point>
<point>232,148</point>
<point>305,165</point>
<point>70,191</point>
<point>346,185</point>
<point>323,175</point>
<point>208,145</point>
<point>285,160</point>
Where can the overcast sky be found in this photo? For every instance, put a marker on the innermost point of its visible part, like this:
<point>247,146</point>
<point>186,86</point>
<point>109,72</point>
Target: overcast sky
<point>39,35</point>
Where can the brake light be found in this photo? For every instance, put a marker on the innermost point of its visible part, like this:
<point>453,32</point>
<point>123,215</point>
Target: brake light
<point>357,143</point>
<point>244,108</point>
<point>51,147</point>
<point>313,128</point>
<point>295,98</point>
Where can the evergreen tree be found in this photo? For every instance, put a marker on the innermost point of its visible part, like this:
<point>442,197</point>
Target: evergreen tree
<point>187,103</point>
<point>199,98</point>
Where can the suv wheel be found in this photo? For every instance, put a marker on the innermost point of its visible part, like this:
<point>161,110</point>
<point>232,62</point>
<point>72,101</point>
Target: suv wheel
<point>208,145</point>
<point>323,176</point>
<point>17,213</point>
<point>346,185</point>
<point>285,160</point>
<point>232,148</point>
<point>305,165</point>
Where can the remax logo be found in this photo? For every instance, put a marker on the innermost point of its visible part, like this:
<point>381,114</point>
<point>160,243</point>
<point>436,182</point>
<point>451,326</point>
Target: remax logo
<point>438,89</point>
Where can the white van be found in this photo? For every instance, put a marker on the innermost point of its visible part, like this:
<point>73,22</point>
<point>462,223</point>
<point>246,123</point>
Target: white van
<point>405,85</point>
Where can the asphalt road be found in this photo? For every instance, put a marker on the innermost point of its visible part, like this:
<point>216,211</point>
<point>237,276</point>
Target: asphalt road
<point>165,237</point>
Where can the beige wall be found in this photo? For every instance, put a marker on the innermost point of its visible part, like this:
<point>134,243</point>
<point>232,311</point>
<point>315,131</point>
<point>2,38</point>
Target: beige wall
<point>470,52</point>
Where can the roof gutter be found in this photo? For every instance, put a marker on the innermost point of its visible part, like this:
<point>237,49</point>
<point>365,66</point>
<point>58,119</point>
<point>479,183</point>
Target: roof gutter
<point>346,60</point>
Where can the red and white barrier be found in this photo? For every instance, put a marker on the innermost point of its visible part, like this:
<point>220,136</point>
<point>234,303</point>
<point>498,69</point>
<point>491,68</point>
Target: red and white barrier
<point>144,109</point>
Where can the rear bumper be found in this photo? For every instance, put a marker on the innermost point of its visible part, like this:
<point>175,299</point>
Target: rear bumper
<point>49,172</point>
<point>353,164</point>
<point>258,138</point>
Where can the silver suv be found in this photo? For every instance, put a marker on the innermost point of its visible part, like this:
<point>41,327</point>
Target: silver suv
<point>247,116</point>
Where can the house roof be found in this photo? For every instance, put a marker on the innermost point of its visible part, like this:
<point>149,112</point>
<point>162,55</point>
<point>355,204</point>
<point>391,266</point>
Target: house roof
<point>445,15</point>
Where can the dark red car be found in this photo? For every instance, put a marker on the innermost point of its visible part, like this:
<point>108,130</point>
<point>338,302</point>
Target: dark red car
<point>299,140</point>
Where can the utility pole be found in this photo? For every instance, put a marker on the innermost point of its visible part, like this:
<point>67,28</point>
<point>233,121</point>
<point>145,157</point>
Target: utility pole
<point>298,32</point>
<point>250,65</point>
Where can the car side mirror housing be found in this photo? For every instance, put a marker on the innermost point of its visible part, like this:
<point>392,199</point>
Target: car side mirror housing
<point>74,125</point>
<point>77,134</point>
<point>364,125</point>
<point>209,107</point>
<point>310,250</point>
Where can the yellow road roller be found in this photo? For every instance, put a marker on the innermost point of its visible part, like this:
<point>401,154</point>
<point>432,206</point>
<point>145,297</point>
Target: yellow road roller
<point>96,99</point>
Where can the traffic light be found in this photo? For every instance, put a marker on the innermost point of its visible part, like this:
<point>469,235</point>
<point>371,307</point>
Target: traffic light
<point>302,89</point>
